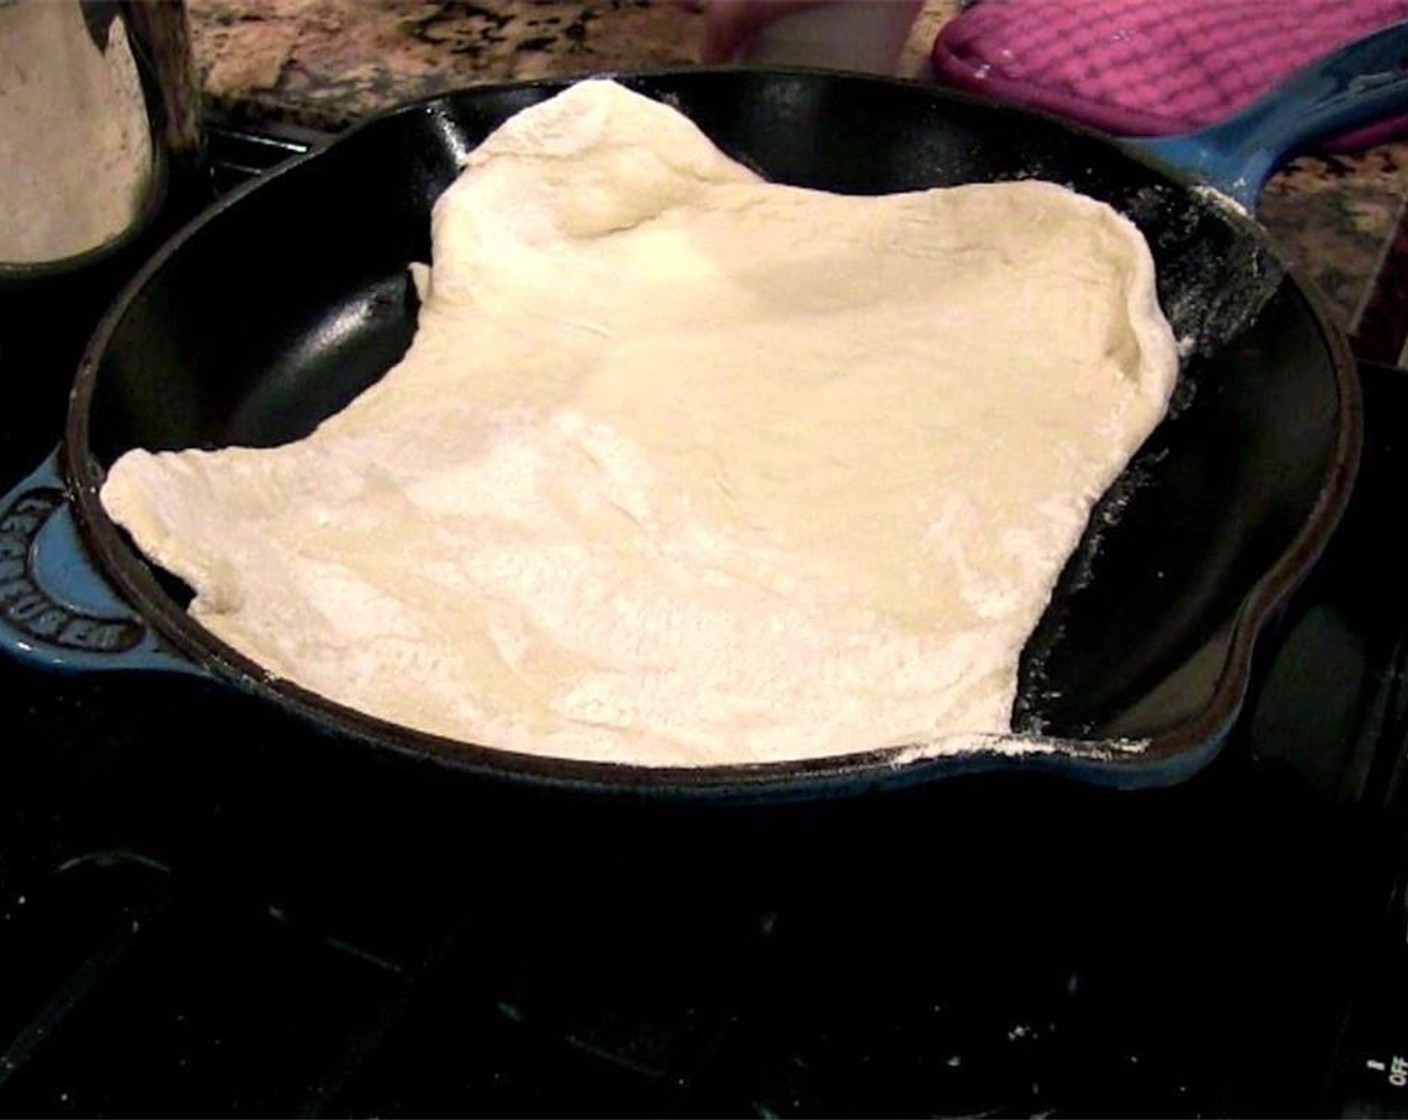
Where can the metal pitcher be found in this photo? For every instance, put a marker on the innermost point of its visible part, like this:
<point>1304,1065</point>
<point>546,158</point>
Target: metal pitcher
<point>98,101</point>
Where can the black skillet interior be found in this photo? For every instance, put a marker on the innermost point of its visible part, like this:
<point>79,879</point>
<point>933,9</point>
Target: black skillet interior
<point>287,303</point>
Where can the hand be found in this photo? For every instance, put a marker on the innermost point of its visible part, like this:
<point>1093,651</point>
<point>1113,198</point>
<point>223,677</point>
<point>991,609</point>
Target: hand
<point>730,25</point>
<point>869,35</point>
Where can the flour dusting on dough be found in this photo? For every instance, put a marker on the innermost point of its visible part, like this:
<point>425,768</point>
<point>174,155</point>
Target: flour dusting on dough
<point>687,468</point>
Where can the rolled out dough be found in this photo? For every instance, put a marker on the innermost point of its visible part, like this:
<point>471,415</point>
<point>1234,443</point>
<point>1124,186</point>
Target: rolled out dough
<point>684,467</point>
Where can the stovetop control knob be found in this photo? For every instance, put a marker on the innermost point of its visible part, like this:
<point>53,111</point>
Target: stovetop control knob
<point>1380,1086</point>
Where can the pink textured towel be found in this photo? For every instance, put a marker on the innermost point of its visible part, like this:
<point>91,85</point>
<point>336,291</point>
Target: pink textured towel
<point>1151,67</point>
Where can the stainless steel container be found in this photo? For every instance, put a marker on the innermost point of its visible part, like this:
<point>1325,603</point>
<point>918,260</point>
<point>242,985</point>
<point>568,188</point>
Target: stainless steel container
<point>98,102</point>
<point>101,158</point>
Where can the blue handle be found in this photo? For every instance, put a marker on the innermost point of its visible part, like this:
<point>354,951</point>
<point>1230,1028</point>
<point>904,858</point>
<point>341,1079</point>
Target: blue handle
<point>1364,82</point>
<point>56,609</point>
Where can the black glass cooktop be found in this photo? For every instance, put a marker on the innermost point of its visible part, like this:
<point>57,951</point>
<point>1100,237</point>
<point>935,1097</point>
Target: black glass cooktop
<point>204,909</point>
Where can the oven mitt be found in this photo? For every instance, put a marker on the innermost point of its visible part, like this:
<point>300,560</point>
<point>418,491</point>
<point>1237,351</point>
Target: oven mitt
<point>1152,67</point>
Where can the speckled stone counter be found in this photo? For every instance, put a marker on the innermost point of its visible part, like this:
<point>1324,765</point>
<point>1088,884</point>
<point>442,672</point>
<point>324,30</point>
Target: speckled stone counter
<point>326,63</point>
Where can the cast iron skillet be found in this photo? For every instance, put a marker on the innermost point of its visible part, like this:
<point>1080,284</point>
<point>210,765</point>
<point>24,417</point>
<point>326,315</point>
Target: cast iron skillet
<point>279,305</point>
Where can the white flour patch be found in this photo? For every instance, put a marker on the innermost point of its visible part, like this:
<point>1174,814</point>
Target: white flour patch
<point>1013,745</point>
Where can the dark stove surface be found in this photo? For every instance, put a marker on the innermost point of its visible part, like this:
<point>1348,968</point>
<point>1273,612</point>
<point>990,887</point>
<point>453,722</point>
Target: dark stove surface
<point>203,910</point>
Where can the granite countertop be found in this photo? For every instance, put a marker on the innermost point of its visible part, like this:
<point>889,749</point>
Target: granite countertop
<point>325,63</point>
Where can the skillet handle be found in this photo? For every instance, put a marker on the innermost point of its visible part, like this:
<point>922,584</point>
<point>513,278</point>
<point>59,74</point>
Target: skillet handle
<point>1363,82</point>
<point>56,609</point>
